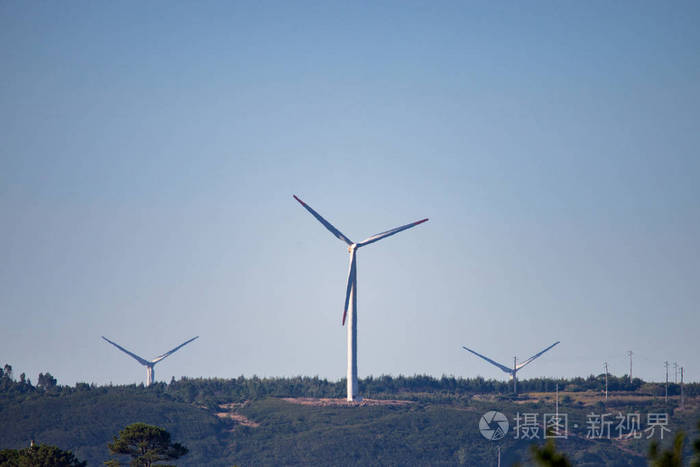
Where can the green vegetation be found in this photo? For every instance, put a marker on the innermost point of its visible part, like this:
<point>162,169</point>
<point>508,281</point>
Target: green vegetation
<point>670,457</point>
<point>249,421</point>
<point>39,456</point>
<point>673,457</point>
<point>146,445</point>
<point>548,456</point>
<point>696,448</point>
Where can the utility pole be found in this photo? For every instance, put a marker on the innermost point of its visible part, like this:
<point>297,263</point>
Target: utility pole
<point>629,354</point>
<point>666,365</point>
<point>675,372</point>
<point>556,409</point>
<point>681,387</point>
<point>499,456</point>
<point>606,380</point>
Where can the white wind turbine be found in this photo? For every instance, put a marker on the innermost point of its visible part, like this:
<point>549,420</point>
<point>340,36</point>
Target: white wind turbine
<point>351,291</point>
<point>516,366</point>
<point>149,364</point>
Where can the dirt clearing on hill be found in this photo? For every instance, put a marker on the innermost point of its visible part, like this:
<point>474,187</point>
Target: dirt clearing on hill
<point>325,402</point>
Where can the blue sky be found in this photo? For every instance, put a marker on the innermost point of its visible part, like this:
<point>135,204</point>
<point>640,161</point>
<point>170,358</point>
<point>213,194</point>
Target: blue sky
<point>150,153</point>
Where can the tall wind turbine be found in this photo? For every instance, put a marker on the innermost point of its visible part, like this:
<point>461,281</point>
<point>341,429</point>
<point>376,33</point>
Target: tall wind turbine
<point>516,366</point>
<point>149,364</point>
<point>351,290</point>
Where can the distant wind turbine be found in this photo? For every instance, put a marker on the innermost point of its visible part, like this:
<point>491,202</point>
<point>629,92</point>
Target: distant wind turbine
<point>516,366</point>
<point>149,364</point>
<point>351,291</point>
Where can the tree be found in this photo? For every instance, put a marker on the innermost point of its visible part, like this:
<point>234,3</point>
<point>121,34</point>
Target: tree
<point>670,457</point>
<point>46,381</point>
<point>696,447</point>
<point>674,456</point>
<point>41,455</point>
<point>146,444</point>
<point>548,456</point>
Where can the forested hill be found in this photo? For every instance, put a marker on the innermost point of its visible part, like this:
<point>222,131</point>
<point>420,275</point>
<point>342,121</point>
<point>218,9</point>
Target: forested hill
<point>406,420</point>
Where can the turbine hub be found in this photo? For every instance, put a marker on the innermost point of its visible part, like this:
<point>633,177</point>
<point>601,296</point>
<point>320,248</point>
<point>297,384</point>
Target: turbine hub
<point>352,247</point>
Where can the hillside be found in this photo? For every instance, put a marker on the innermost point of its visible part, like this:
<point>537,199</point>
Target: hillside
<point>287,421</point>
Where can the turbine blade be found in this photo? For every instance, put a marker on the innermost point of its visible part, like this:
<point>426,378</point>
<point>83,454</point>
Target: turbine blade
<point>519,366</point>
<point>133,355</point>
<point>388,233</point>
<point>323,221</point>
<point>502,367</point>
<point>170,352</point>
<point>352,278</point>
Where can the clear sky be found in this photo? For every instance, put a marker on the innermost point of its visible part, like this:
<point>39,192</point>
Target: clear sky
<point>150,150</point>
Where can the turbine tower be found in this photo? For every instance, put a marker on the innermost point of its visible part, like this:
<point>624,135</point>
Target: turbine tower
<point>351,291</point>
<point>149,364</point>
<point>516,366</point>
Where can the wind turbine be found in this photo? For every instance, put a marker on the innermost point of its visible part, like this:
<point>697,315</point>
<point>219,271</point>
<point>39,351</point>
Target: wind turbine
<point>516,366</point>
<point>149,364</point>
<point>351,291</point>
